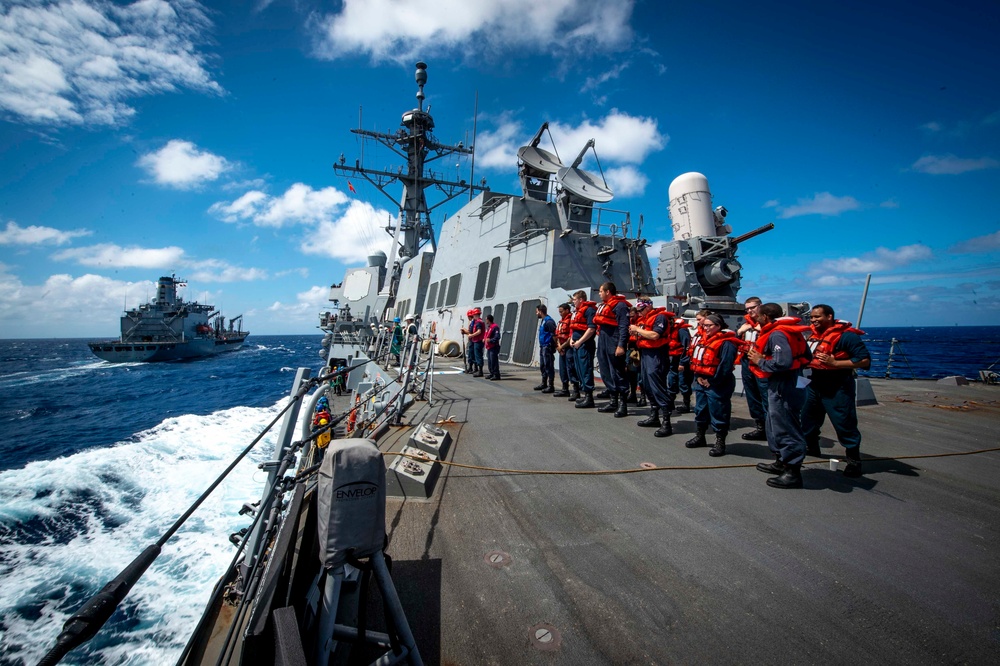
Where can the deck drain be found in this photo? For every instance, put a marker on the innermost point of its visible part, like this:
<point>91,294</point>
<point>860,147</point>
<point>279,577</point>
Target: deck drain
<point>497,559</point>
<point>646,465</point>
<point>545,637</point>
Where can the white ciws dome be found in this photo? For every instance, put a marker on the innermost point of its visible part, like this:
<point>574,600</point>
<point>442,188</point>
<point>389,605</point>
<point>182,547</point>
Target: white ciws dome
<point>691,206</point>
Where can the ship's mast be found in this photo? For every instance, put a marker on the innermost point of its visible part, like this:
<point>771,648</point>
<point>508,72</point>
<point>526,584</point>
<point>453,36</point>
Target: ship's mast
<point>414,143</point>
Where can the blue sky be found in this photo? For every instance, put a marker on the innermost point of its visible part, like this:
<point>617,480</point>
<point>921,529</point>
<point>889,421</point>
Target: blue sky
<point>148,138</point>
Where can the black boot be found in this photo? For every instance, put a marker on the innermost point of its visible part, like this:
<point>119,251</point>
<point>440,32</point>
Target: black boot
<point>853,469</point>
<point>685,405</point>
<point>563,392</point>
<point>622,410</point>
<point>665,430</point>
<point>575,393</point>
<point>776,467</point>
<point>549,388</point>
<point>478,372</point>
<point>611,406</point>
<point>699,439</point>
<point>603,394</point>
<point>631,396</point>
<point>756,435</point>
<point>541,387</point>
<point>587,401</point>
<point>720,445</point>
<point>790,478</point>
<point>642,400</point>
<point>651,421</point>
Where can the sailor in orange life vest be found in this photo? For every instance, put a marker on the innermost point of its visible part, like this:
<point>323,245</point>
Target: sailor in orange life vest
<point>567,355</point>
<point>712,361</point>
<point>754,388</point>
<point>778,355</point>
<point>492,344</point>
<point>476,332</point>
<point>680,358</point>
<point>652,331</point>
<point>612,340</point>
<point>837,352</point>
<point>687,378</point>
<point>584,330</point>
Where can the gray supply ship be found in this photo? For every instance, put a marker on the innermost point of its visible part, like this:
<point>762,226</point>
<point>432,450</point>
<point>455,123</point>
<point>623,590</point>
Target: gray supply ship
<point>546,545</point>
<point>168,328</point>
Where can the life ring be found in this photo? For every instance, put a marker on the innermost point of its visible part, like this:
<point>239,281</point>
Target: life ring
<point>425,346</point>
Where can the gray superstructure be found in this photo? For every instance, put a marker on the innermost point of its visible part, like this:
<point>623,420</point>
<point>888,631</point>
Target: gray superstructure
<point>168,328</point>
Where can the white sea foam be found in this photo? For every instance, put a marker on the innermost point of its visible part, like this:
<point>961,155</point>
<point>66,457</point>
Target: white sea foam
<point>76,522</point>
<point>13,379</point>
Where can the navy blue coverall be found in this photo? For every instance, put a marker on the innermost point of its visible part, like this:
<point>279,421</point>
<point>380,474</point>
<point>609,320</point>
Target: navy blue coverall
<point>714,405</point>
<point>832,392</point>
<point>653,362</point>
<point>584,355</point>
<point>784,401</point>
<point>609,338</point>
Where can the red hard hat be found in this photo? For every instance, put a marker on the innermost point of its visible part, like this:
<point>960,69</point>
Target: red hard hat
<point>475,311</point>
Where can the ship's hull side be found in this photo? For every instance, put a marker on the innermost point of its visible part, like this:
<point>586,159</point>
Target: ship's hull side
<point>121,352</point>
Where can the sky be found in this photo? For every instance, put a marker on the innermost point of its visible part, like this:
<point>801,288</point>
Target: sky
<point>140,139</point>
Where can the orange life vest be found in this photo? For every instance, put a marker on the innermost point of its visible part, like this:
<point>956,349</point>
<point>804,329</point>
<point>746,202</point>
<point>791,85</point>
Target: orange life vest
<point>605,315</point>
<point>563,330</point>
<point>749,335</point>
<point>676,348</point>
<point>646,322</point>
<point>825,342</point>
<point>579,320</point>
<point>706,356</point>
<point>793,330</point>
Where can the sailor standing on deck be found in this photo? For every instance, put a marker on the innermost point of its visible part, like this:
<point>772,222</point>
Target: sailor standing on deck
<point>754,388</point>
<point>712,361</point>
<point>778,356</point>
<point>492,344</point>
<point>567,358</point>
<point>477,334</point>
<point>546,349</point>
<point>652,332</point>
<point>680,357</point>
<point>612,340</point>
<point>837,352</point>
<point>584,331</point>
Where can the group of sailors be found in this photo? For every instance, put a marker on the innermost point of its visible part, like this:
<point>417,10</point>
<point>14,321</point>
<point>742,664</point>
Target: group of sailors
<point>794,375</point>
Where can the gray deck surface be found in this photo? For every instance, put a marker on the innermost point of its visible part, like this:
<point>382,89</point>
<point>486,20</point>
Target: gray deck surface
<point>701,566</point>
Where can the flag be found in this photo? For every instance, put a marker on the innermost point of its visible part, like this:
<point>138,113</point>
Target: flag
<point>351,187</point>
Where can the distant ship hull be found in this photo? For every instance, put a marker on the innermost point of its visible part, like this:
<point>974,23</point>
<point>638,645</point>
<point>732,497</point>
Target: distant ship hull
<point>115,351</point>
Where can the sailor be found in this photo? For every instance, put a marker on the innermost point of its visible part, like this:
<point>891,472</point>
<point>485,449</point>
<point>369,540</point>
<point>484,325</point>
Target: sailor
<point>546,349</point>
<point>679,359</point>
<point>754,388</point>
<point>470,364</point>
<point>476,333</point>
<point>712,362</point>
<point>584,330</point>
<point>778,355</point>
<point>492,344</point>
<point>652,332</point>
<point>837,351</point>
<point>633,366</point>
<point>612,339</point>
<point>396,343</point>
<point>567,358</point>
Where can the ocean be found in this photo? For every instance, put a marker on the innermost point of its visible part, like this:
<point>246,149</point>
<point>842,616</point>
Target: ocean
<point>97,460</point>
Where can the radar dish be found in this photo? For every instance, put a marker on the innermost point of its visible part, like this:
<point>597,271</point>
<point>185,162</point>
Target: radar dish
<point>539,159</point>
<point>584,184</point>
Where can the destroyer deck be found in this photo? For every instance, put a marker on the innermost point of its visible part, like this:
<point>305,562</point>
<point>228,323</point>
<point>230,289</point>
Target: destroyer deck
<point>707,565</point>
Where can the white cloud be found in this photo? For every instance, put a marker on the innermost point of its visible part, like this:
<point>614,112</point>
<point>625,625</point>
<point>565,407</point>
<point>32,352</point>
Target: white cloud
<point>308,304</point>
<point>401,30</point>
<point>352,236</point>
<point>80,61</point>
<point>594,82</point>
<point>882,259</point>
<point>216,270</point>
<point>653,250</point>
<point>627,181</point>
<point>822,203</point>
<point>952,165</point>
<point>987,243</point>
<point>32,235</point>
<point>109,255</point>
<point>889,203</point>
<point>300,204</point>
<point>832,281</point>
<point>180,164</point>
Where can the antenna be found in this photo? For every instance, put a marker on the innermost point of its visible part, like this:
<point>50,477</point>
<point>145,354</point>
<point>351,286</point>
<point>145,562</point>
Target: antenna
<point>537,166</point>
<point>583,183</point>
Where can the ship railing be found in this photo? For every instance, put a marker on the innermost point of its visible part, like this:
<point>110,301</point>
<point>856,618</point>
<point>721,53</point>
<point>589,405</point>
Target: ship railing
<point>490,206</point>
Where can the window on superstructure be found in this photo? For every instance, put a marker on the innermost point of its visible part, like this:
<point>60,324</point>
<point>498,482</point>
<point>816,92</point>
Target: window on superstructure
<point>441,293</point>
<point>491,284</point>
<point>484,269</point>
<point>454,284</point>
<point>432,294</point>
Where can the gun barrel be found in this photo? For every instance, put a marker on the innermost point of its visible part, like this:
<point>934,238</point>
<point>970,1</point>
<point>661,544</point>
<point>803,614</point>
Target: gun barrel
<point>751,234</point>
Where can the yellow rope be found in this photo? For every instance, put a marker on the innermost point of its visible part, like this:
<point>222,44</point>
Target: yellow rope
<point>605,472</point>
